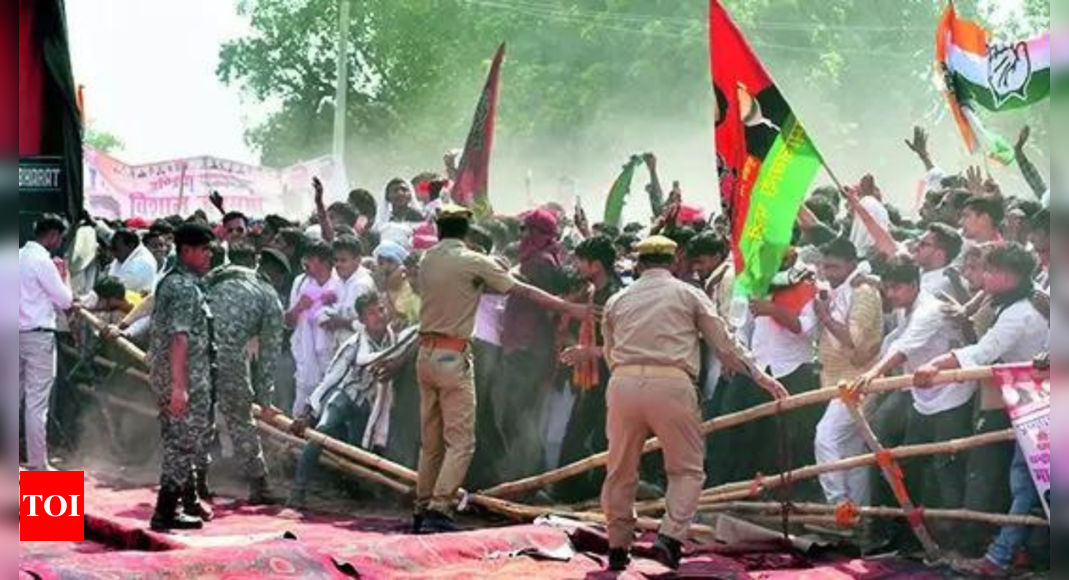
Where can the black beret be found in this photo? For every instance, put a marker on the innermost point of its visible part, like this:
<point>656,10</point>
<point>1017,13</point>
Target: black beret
<point>193,234</point>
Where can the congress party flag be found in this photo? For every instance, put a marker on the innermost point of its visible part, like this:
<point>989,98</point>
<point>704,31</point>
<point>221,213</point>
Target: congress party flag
<point>979,72</point>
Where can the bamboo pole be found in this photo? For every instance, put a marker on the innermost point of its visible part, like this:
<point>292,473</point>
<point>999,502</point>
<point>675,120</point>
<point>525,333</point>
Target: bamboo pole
<point>733,420</point>
<point>289,441</point>
<point>338,463</point>
<point>278,421</point>
<point>279,425</point>
<point>770,508</point>
<point>892,473</point>
<point>368,459</point>
<point>124,344</point>
<point>749,489</point>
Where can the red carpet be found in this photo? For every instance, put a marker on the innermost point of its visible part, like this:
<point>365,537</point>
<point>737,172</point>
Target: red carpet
<point>257,543</point>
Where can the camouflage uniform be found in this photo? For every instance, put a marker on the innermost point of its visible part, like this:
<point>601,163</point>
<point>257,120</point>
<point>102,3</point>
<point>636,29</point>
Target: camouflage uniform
<point>245,308</point>
<point>181,309</point>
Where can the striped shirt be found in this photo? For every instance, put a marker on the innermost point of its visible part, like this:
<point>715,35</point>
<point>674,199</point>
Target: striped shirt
<point>864,317</point>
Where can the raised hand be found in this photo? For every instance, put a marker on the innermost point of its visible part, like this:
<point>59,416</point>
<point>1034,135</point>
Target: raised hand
<point>317,186</point>
<point>919,144</point>
<point>974,179</point>
<point>217,201</point>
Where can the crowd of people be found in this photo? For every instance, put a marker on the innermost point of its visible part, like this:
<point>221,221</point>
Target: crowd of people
<point>323,317</point>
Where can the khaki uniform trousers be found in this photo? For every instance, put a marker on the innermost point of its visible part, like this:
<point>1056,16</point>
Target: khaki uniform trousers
<point>447,414</point>
<point>638,407</point>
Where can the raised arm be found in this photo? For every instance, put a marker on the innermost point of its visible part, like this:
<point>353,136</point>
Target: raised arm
<point>655,190</point>
<point>321,211</point>
<point>885,242</point>
<point>919,146</point>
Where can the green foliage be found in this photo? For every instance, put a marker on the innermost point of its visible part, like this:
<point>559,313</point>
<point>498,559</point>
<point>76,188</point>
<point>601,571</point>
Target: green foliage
<point>581,75</point>
<point>103,141</point>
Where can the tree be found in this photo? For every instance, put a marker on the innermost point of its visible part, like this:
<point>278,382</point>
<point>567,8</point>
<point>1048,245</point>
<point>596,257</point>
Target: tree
<point>586,82</point>
<point>103,141</point>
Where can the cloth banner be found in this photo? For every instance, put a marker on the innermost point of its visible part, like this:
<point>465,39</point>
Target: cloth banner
<point>116,190</point>
<point>1026,392</point>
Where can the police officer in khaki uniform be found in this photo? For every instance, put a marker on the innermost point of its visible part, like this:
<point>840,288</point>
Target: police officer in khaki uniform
<point>452,279</point>
<point>652,333</point>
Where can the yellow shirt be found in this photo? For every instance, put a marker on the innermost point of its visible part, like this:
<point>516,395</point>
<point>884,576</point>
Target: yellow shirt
<point>865,321</point>
<point>452,279</point>
<point>659,321</point>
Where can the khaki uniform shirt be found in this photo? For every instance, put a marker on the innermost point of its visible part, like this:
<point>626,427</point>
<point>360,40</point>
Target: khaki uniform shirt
<point>659,321</point>
<point>452,279</point>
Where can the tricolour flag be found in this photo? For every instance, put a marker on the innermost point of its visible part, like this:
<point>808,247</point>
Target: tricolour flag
<point>472,187</point>
<point>765,158</point>
<point>997,76</point>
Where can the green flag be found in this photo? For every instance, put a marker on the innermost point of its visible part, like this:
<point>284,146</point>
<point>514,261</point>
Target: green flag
<point>614,207</point>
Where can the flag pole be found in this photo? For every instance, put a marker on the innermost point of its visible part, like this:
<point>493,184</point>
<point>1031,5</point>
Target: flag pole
<point>831,174</point>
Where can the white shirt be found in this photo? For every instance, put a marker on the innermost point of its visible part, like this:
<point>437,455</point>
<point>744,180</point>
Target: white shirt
<point>860,235</point>
<point>311,342</point>
<point>358,285</point>
<point>397,232</point>
<point>937,283</point>
<point>926,335</point>
<point>489,318</point>
<point>138,272</point>
<point>1019,335</point>
<point>41,289</point>
<point>784,352</point>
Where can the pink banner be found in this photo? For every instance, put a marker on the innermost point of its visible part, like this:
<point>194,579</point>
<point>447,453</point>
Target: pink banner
<point>116,190</point>
<point>1027,395</point>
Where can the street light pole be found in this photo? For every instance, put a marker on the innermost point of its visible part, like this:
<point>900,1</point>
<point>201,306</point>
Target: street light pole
<point>341,95</point>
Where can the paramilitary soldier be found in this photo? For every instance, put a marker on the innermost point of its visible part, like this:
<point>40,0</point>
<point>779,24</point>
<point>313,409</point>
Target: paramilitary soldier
<point>180,367</point>
<point>247,326</point>
<point>652,335</point>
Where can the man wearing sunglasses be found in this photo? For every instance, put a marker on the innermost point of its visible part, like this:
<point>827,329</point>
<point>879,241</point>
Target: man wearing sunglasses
<point>235,228</point>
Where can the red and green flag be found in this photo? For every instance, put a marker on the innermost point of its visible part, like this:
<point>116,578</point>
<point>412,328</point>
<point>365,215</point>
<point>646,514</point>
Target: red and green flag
<point>765,158</point>
<point>472,187</point>
<point>997,76</point>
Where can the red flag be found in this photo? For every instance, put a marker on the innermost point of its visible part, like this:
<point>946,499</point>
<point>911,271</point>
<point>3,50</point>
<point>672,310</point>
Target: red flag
<point>765,159</point>
<point>472,187</point>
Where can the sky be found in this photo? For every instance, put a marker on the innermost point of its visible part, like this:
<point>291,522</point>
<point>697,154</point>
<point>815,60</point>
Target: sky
<point>148,67</point>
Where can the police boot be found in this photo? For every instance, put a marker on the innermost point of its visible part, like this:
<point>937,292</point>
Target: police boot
<point>203,492</point>
<point>192,505</point>
<point>260,493</point>
<point>668,552</point>
<point>619,560</point>
<point>167,518</point>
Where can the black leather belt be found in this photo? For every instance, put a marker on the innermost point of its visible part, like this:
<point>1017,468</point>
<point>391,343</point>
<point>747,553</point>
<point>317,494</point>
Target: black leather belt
<point>38,331</point>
